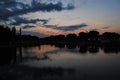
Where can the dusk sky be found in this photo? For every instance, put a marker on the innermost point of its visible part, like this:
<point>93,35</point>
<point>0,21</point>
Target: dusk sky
<point>53,17</point>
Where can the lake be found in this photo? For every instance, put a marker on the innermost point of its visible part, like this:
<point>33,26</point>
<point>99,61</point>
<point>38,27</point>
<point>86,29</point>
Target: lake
<point>87,61</point>
<point>70,61</point>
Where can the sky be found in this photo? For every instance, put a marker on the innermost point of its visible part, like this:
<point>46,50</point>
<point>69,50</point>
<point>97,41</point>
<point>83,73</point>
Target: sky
<point>53,17</point>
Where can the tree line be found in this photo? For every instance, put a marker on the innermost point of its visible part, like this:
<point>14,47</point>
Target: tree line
<point>85,36</point>
<point>10,36</point>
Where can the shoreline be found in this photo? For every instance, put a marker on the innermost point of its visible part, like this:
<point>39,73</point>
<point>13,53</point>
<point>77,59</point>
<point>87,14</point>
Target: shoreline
<point>81,43</point>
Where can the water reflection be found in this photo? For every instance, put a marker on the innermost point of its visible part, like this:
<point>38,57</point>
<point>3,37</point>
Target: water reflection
<point>89,61</point>
<point>53,55</point>
<point>83,49</point>
<point>93,49</point>
<point>60,61</point>
<point>71,46</point>
<point>41,52</point>
<point>10,55</point>
<point>7,55</point>
<point>32,73</point>
<point>111,49</point>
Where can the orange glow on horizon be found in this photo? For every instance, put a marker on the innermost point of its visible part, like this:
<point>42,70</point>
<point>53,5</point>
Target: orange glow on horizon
<point>49,31</point>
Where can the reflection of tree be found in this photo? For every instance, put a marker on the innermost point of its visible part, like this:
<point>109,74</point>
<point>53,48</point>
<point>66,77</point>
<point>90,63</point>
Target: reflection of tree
<point>8,55</point>
<point>111,49</point>
<point>83,49</point>
<point>93,49</point>
<point>71,46</point>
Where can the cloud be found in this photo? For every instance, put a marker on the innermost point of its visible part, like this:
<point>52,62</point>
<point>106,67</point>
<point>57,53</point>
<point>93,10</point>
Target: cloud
<point>19,21</point>
<point>13,8</point>
<point>6,1</point>
<point>106,27</point>
<point>34,34</point>
<point>28,26</point>
<point>67,28</point>
<point>94,30</point>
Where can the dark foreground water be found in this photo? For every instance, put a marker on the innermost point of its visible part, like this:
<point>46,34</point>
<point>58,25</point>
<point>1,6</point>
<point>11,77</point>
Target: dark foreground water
<point>60,62</point>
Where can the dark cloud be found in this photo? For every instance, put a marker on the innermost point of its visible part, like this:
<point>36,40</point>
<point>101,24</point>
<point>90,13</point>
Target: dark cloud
<point>19,21</point>
<point>12,8</point>
<point>70,6</point>
<point>94,30</point>
<point>4,13</point>
<point>67,28</point>
<point>106,27</point>
<point>33,33</point>
<point>6,1</point>
<point>28,26</point>
<point>6,8</point>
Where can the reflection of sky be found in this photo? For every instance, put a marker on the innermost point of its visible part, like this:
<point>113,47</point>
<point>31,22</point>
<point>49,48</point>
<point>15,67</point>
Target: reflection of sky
<point>39,51</point>
<point>97,14</point>
<point>96,64</point>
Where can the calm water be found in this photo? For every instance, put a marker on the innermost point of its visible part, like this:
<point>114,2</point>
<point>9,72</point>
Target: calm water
<point>86,62</point>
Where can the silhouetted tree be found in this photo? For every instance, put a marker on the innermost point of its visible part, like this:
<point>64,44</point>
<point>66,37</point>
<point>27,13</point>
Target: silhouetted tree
<point>110,36</point>
<point>59,38</point>
<point>71,37</point>
<point>13,34</point>
<point>83,36</point>
<point>93,35</point>
<point>9,36</point>
<point>5,34</point>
